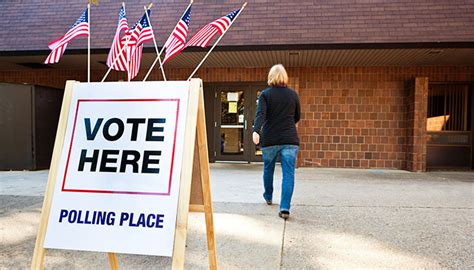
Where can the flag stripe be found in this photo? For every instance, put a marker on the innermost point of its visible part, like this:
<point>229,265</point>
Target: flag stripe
<point>176,47</point>
<point>176,41</point>
<point>139,33</point>
<point>205,35</point>
<point>117,58</point>
<point>55,54</point>
<point>135,59</point>
<point>58,46</point>
<point>222,24</point>
<point>81,30</point>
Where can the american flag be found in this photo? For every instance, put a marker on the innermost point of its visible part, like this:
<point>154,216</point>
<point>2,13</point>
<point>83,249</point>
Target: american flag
<point>138,34</point>
<point>204,36</point>
<point>135,57</point>
<point>177,39</point>
<point>141,31</point>
<point>58,46</point>
<point>117,45</point>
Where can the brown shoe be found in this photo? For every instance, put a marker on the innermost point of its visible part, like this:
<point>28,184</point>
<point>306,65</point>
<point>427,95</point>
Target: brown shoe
<point>284,214</point>
<point>269,202</point>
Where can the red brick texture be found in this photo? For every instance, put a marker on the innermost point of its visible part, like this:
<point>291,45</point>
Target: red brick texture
<point>352,117</point>
<point>417,97</point>
<point>352,123</point>
<point>358,117</point>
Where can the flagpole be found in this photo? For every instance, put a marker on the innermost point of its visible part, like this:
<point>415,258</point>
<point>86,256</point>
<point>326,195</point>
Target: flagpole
<point>89,44</point>
<point>156,46</point>
<point>209,52</point>
<point>163,48</point>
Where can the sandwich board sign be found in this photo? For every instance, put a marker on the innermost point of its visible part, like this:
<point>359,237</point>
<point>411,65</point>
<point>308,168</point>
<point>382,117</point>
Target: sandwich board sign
<point>125,157</point>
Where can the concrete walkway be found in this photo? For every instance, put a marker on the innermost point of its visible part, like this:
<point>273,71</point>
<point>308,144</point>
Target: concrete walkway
<point>340,219</point>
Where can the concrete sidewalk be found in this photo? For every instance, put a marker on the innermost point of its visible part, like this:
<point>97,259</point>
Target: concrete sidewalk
<point>340,219</point>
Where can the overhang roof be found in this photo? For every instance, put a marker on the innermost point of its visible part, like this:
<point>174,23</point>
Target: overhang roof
<point>292,58</point>
<point>30,25</point>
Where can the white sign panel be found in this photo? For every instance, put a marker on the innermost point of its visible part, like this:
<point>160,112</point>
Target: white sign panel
<point>118,178</point>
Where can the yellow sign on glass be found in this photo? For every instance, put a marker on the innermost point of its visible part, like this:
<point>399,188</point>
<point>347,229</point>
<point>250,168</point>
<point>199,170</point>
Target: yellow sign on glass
<point>232,107</point>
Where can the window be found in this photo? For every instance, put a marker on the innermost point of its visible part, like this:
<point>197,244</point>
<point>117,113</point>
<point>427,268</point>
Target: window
<point>449,107</point>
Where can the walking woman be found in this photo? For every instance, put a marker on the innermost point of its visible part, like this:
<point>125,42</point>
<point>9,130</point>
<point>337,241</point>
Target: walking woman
<point>278,112</point>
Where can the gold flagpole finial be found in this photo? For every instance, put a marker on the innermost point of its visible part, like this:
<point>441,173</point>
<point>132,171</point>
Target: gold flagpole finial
<point>95,2</point>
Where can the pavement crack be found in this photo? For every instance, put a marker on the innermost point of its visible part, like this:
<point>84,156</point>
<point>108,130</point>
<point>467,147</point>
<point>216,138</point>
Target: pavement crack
<point>282,244</point>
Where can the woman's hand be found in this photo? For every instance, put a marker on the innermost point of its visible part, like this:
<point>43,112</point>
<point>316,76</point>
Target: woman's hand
<point>256,138</point>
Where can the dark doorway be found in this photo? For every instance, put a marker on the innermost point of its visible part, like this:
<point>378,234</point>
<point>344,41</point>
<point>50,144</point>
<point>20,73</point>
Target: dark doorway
<point>450,126</point>
<point>28,121</point>
<point>235,106</point>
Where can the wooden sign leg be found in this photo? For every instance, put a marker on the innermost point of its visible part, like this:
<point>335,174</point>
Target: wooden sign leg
<point>205,182</point>
<point>186,177</point>
<point>38,258</point>
<point>113,261</point>
<point>40,251</point>
<point>200,198</point>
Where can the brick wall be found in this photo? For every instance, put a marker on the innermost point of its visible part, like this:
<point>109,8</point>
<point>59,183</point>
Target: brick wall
<point>352,123</point>
<point>352,117</point>
<point>358,117</point>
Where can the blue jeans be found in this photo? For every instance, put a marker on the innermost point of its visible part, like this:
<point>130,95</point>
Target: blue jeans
<point>287,154</point>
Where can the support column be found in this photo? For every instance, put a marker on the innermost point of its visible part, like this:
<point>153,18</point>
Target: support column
<point>417,102</point>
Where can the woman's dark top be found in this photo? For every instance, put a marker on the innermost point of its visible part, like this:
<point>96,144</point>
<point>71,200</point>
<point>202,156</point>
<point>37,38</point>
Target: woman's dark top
<point>277,113</point>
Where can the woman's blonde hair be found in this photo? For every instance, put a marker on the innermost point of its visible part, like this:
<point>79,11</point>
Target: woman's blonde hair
<point>277,76</point>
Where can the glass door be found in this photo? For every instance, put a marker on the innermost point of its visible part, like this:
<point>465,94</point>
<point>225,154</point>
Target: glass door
<point>234,110</point>
<point>232,124</point>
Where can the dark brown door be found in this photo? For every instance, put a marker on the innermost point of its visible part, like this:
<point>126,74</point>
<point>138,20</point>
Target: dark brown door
<point>16,135</point>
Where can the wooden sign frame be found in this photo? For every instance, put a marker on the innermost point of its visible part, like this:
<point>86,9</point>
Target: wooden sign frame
<point>194,191</point>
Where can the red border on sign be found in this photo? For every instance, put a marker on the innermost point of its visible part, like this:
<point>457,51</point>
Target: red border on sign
<point>114,191</point>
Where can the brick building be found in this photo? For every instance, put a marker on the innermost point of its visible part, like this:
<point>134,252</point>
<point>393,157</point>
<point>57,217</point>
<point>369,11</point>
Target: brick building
<point>383,84</point>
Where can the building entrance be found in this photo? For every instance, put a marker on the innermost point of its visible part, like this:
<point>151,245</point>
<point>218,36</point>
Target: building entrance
<point>235,106</point>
